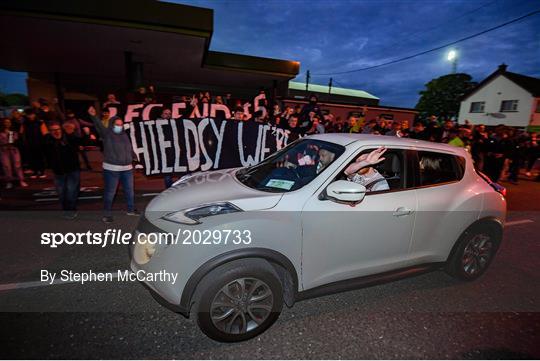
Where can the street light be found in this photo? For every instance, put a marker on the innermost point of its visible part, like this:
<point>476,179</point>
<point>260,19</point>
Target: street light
<point>452,57</point>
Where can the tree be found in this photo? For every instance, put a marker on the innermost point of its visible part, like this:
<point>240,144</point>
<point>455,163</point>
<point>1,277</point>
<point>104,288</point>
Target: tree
<point>442,95</point>
<point>13,99</point>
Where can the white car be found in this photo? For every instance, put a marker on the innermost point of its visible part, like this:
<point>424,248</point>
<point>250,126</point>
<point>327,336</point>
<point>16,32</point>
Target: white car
<point>317,217</point>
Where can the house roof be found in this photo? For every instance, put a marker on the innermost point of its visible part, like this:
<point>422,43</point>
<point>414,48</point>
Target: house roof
<point>530,84</point>
<point>335,90</point>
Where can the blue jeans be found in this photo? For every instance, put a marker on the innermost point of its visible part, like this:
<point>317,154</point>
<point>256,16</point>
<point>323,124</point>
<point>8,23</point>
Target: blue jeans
<point>111,180</point>
<point>168,180</point>
<point>67,187</point>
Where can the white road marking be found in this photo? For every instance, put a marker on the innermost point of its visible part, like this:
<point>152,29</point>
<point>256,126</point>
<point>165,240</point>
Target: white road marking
<point>515,223</point>
<point>45,194</point>
<point>35,284</point>
<point>55,199</point>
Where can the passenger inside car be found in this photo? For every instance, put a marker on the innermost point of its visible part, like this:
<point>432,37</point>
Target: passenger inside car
<point>362,171</point>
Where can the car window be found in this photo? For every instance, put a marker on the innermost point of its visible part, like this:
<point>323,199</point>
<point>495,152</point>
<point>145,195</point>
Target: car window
<point>436,168</point>
<point>388,175</point>
<point>292,167</point>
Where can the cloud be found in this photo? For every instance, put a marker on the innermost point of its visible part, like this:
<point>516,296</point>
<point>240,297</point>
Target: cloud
<point>332,36</point>
<point>356,44</point>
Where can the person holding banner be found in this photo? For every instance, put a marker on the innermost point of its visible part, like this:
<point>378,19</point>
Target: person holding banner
<point>117,163</point>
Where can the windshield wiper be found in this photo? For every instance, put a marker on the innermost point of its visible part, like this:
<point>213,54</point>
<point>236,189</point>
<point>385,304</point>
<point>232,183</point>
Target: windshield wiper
<point>271,189</point>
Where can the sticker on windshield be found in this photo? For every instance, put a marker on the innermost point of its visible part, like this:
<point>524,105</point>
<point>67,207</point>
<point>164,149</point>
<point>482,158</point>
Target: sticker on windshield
<point>280,183</point>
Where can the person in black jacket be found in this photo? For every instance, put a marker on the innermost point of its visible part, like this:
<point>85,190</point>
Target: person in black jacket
<point>532,152</point>
<point>516,154</point>
<point>62,155</point>
<point>419,132</point>
<point>32,134</point>
<point>496,150</point>
<point>309,110</point>
<point>293,126</point>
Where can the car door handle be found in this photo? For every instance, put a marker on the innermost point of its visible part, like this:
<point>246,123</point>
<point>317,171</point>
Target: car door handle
<point>402,211</point>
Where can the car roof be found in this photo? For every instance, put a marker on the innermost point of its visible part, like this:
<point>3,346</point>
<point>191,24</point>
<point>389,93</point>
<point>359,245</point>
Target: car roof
<point>385,140</point>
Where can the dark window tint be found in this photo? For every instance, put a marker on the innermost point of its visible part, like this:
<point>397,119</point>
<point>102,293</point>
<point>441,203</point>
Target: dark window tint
<point>292,167</point>
<point>437,168</point>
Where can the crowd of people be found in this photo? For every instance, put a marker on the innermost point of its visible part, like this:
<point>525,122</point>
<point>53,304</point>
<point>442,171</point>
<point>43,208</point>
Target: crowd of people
<point>498,151</point>
<point>44,136</point>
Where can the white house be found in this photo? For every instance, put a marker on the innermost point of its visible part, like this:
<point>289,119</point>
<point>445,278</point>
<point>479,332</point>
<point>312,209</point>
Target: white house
<point>503,98</point>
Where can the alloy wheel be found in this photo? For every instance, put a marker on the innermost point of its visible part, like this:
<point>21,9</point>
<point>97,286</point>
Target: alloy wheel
<point>477,254</point>
<point>241,305</point>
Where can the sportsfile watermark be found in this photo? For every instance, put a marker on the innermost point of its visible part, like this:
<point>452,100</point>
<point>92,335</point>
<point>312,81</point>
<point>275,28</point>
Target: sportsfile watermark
<point>70,276</point>
<point>120,237</point>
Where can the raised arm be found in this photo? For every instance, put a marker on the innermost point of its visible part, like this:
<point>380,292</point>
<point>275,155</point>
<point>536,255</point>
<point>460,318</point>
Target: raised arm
<point>100,128</point>
<point>366,160</point>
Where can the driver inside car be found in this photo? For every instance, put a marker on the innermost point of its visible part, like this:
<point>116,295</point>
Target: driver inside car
<point>312,161</point>
<point>362,172</point>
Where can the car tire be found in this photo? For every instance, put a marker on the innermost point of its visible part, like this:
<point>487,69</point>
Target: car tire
<point>473,252</point>
<point>238,300</point>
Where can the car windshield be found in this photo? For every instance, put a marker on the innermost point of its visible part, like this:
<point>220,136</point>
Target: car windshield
<point>292,167</point>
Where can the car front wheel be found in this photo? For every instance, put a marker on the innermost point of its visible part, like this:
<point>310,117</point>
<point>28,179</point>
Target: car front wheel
<point>239,300</point>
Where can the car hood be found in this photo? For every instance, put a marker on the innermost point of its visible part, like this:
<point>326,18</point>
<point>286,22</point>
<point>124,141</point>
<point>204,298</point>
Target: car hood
<point>210,187</point>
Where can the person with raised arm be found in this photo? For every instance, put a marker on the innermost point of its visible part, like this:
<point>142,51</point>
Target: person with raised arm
<point>362,172</point>
<point>117,163</point>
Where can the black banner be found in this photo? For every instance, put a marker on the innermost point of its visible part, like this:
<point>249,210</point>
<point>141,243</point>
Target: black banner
<point>182,145</point>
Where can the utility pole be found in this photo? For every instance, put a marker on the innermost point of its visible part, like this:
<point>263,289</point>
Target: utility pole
<point>330,86</point>
<point>308,77</point>
<point>452,57</point>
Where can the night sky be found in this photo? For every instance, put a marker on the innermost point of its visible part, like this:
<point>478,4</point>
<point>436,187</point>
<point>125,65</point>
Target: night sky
<point>331,36</point>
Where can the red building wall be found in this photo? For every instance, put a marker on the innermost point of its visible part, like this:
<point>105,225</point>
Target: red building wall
<point>344,110</point>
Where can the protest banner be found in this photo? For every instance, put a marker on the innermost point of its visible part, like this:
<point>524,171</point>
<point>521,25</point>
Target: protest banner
<point>186,145</point>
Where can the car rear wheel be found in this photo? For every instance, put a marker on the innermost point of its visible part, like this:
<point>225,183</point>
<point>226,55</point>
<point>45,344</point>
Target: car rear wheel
<point>473,253</point>
<point>238,300</point>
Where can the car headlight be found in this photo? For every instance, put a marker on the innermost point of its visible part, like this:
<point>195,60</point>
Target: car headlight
<point>193,215</point>
<point>144,250</point>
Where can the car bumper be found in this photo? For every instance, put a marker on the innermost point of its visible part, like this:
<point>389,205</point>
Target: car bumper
<point>162,292</point>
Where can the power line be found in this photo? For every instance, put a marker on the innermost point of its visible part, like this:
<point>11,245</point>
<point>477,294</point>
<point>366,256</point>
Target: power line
<point>338,83</point>
<point>454,19</point>
<point>437,48</point>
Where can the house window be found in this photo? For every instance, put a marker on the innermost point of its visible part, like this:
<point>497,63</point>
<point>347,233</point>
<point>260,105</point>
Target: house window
<point>538,107</point>
<point>477,107</point>
<point>509,105</point>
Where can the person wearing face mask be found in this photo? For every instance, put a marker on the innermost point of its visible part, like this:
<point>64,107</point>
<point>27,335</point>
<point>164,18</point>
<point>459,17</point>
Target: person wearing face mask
<point>117,163</point>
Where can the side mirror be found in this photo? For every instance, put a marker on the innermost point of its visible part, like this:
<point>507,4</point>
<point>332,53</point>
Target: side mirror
<point>345,191</point>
